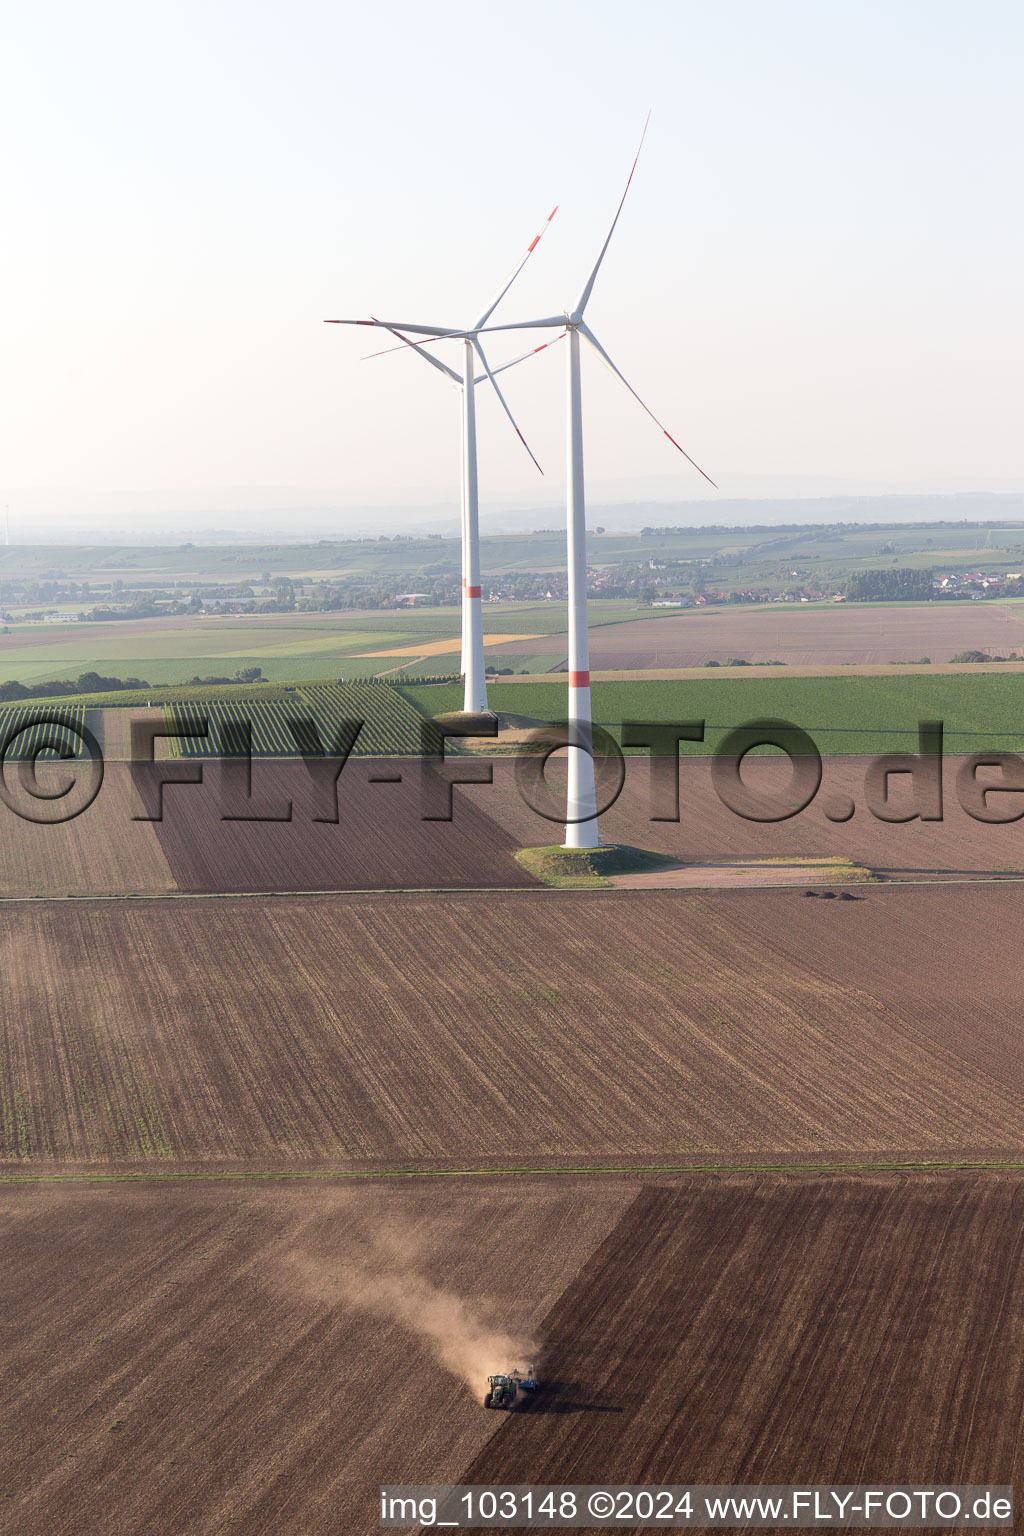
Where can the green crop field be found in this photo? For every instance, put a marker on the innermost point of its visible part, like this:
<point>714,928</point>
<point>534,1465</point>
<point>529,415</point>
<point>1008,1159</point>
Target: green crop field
<point>843,715</point>
<point>24,733</point>
<point>172,651</point>
<point>391,724</point>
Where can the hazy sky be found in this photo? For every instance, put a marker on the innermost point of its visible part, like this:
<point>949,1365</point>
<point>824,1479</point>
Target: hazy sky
<point>815,283</point>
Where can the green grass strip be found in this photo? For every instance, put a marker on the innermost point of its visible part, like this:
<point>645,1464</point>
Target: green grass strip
<point>527,1171</point>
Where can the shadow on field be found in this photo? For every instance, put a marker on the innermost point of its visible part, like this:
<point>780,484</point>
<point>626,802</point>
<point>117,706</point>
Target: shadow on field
<point>566,1397</point>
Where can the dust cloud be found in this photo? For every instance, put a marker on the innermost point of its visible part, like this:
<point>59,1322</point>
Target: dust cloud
<point>462,1340</point>
<point>380,1275</point>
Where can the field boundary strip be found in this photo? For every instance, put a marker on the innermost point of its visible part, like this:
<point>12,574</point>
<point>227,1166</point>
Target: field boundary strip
<point>514,890</point>
<point>639,1171</point>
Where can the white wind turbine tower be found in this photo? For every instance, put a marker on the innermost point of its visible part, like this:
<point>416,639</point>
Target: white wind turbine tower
<point>475,696</point>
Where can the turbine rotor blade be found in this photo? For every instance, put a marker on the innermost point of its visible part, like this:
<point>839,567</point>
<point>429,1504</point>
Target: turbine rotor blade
<point>492,306</point>
<point>434,332</point>
<point>603,355</point>
<point>581,302</point>
<point>428,357</point>
<point>439,333</point>
<point>387,351</point>
<point>504,403</point>
<point>521,358</point>
<point>461,335</point>
<point>547,324</point>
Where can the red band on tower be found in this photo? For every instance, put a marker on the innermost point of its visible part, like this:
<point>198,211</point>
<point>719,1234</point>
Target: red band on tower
<point>579,679</point>
<point>472,591</point>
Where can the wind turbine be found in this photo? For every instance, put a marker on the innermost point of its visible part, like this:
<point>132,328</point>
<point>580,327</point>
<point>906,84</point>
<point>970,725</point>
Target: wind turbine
<point>475,695</point>
<point>581,802</point>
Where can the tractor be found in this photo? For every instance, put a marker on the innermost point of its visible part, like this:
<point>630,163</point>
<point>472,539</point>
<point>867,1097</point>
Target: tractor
<point>503,1390</point>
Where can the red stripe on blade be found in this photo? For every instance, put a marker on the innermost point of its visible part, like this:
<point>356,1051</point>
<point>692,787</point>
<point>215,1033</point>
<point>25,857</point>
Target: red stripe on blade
<point>579,679</point>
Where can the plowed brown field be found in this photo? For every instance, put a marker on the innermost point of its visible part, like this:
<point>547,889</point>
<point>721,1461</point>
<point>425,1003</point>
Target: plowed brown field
<point>708,831</point>
<point>102,852</point>
<point>818,636</point>
<point>787,1331</point>
<point>183,1359</point>
<point>380,841</point>
<point>531,1028</point>
<point>196,1358</point>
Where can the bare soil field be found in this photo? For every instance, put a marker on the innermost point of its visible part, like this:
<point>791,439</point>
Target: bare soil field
<point>787,1330</point>
<point>101,852</point>
<point>262,1358</point>
<point>198,1359</point>
<point>765,670</point>
<point>815,636</point>
<point>539,1028</point>
<point>379,842</point>
<point>382,842</point>
<point>710,832</point>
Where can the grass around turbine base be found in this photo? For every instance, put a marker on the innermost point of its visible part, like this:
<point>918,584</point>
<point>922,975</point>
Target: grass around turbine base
<point>588,868</point>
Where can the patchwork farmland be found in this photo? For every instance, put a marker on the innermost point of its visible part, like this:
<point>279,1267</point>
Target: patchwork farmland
<point>742,1169</point>
<point>844,716</point>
